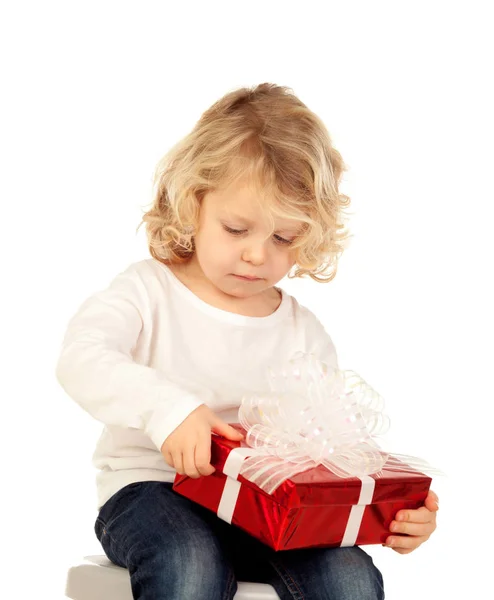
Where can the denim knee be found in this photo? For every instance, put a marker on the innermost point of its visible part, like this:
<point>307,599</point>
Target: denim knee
<point>358,577</point>
<point>343,573</point>
<point>198,571</point>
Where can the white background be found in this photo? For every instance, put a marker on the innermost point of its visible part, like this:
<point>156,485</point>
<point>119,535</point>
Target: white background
<point>95,92</point>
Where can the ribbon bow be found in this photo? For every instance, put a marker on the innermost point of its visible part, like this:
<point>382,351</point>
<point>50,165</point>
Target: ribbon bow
<point>315,415</point>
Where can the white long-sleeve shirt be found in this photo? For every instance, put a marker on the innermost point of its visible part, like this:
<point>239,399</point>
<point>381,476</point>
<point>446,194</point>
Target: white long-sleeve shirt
<point>142,354</point>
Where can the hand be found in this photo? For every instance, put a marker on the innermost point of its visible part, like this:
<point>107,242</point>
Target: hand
<point>188,448</point>
<point>416,526</point>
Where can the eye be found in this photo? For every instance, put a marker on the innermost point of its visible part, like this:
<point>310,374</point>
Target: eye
<point>234,231</point>
<point>280,240</point>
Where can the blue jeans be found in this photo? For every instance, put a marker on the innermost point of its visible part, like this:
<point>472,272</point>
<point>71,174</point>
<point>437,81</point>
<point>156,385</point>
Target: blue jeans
<point>175,549</point>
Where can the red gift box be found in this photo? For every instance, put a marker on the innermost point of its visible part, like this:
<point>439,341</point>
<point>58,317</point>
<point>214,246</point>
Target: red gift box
<point>313,508</point>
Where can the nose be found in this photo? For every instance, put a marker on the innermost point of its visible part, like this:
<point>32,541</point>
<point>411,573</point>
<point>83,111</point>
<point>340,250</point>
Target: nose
<point>255,253</point>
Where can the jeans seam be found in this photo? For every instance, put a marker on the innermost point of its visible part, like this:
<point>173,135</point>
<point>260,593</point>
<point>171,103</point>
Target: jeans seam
<point>104,531</point>
<point>289,581</point>
<point>228,590</point>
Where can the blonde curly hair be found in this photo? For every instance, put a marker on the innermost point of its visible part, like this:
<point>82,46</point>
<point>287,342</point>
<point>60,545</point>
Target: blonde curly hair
<point>267,135</point>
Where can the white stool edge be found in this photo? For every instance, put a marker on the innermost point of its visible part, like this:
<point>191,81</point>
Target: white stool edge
<point>246,589</point>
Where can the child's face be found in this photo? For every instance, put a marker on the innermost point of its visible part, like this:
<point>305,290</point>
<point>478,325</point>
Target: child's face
<point>234,241</point>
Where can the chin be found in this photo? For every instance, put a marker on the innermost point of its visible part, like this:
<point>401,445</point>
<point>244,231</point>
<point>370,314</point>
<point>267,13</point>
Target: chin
<point>240,294</point>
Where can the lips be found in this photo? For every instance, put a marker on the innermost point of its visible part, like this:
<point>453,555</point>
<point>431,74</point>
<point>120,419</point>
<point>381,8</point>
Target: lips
<point>248,277</point>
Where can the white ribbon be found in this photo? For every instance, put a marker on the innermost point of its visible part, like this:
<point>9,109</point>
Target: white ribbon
<point>357,511</point>
<point>231,490</point>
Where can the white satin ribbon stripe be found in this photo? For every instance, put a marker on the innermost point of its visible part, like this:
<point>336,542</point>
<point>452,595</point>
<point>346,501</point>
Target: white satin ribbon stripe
<point>357,512</point>
<point>231,490</point>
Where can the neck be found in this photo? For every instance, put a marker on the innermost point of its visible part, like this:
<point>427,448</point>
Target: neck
<point>192,276</point>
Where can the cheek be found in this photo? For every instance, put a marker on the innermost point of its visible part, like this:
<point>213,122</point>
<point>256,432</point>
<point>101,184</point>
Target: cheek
<point>214,249</point>
<point>285,261</point>
<point>222,249</point>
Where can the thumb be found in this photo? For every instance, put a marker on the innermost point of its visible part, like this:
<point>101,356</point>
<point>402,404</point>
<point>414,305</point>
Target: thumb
<point>227,431</point>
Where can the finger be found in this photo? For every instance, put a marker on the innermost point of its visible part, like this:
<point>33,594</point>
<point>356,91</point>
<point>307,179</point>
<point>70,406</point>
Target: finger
<point>403,551</point>
<point>203,454</point>
<point>168,457</point>
<point>420,515</point>
<point>406,528</point>
<point>178,462</point>
<point>434,495</point>
<point>432,502</point>
<point>227,431</point>
<point>189,463</point>
<point>405,542</point>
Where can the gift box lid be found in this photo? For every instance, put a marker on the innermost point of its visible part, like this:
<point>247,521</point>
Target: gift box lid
<point>319,486</point>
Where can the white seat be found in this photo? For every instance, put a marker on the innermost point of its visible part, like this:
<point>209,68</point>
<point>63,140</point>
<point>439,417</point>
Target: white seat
<point>97,578</point>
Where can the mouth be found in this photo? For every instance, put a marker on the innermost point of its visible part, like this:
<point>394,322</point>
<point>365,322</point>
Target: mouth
<point>247,277</point>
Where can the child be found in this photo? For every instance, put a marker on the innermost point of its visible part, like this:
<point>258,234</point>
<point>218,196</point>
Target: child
<point>164,355</point>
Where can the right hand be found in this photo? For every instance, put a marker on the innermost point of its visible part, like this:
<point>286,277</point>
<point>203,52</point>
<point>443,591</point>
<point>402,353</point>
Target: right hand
<point>188,448</point>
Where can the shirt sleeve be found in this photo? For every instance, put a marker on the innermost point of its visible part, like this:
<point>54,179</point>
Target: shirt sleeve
<point>97,370</point>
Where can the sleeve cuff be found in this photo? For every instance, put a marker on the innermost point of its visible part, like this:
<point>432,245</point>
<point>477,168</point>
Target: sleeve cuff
<point>164,421</point>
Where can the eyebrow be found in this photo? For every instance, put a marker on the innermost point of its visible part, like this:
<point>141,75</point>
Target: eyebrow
<point>237,218</point>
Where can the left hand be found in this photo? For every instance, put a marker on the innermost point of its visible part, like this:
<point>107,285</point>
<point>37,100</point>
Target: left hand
<point>416,526</point>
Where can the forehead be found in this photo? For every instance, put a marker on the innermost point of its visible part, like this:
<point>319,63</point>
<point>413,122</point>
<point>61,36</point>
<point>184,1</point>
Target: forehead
<point>242,203</point>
